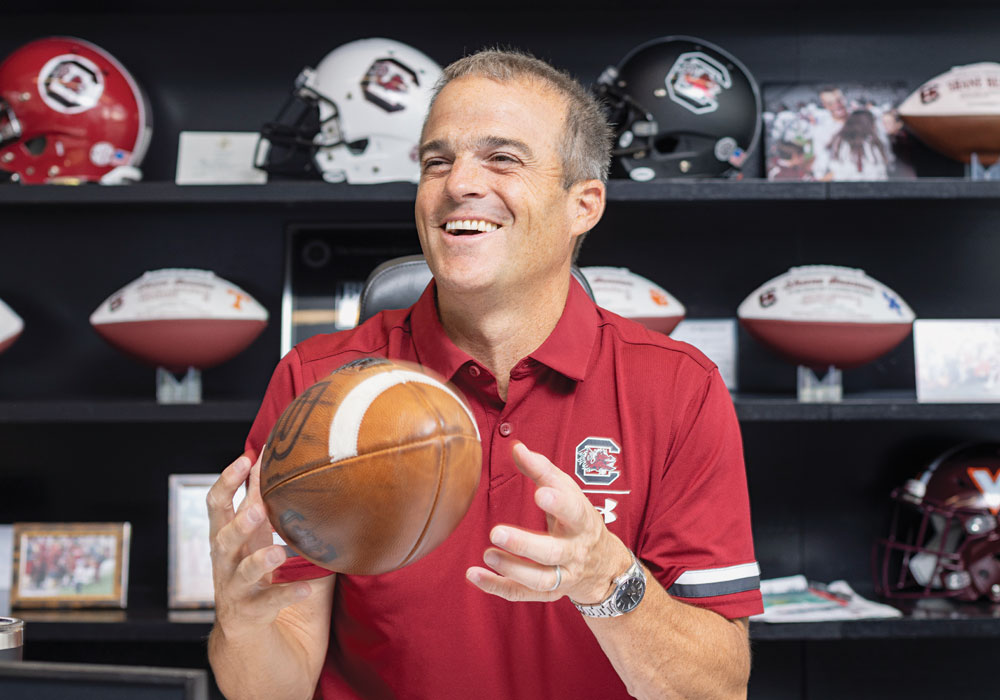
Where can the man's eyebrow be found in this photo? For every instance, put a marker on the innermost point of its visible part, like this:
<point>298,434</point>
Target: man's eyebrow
<point>480,144</point>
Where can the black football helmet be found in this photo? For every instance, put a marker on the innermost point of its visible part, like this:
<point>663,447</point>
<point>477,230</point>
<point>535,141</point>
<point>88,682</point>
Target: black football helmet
<point>681,107</point>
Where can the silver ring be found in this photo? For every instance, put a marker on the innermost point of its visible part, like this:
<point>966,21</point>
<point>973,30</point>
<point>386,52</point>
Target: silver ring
<point>558,580</point>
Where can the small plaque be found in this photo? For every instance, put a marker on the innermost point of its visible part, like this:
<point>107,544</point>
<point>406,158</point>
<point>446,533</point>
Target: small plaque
<point>717,339</point>
<point>957,361</point>
<point>217,158</point>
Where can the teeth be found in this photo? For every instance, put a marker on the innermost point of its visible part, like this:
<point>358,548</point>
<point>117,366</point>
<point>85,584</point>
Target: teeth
<point>471,225</point>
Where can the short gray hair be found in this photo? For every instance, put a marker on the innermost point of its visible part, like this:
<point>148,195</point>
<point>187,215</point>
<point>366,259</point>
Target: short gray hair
<point>585,148</point>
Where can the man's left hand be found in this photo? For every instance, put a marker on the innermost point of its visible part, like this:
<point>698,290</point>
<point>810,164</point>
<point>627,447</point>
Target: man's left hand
<point>587,554</point>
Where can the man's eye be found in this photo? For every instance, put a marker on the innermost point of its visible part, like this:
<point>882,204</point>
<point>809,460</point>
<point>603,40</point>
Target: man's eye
<point>503,157</point>
<point>432,163</point>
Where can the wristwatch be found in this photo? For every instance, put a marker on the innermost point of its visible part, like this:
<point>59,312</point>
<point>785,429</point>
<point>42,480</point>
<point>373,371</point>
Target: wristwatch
<point>626,596</point>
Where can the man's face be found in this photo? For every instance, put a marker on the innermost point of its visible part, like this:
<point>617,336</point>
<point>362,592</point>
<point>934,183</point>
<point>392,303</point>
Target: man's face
<point>833,100</point>
<point>489,156</point>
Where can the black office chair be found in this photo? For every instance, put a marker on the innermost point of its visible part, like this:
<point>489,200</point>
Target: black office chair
<point>398,283</point>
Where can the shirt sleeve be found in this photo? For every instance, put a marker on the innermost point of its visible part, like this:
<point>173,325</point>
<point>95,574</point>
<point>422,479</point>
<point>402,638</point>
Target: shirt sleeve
<point>698,543</point>
<point>286,383</point>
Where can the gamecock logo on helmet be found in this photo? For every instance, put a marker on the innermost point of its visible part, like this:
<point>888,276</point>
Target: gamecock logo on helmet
<point>70,84</point>
<point>695,81</point>
<point>388,84</point>
<point>596,462</point>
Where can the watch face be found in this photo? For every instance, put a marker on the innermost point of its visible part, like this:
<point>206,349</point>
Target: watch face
<point>630,594</point>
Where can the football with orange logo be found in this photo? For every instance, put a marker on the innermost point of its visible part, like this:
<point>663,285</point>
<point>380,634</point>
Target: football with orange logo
<point>180,318</point>
<point>627,294</point>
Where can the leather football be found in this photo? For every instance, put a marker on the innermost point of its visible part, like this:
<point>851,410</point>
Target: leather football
<point>372,467</point>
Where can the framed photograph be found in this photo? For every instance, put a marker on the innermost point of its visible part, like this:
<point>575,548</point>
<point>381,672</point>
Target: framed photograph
<point>835,132</point>
<point>189,564</point>
<point>957,360</point>
<point>70,565</point>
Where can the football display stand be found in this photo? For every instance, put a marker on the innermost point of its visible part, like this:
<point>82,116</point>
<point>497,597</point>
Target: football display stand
<point>173,390</point>
<point>814,389</point>
<point>977,171</point>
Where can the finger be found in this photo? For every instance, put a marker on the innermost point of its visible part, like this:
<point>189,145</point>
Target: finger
<point>529,574</point>
<point>538,468</point>
<point>569,507</point>
<point>220,496</point>
<point>252,483</point>
<point>233,540</point>
<point>494,584</point>
<point>253,569</point>
<point>542,548</point>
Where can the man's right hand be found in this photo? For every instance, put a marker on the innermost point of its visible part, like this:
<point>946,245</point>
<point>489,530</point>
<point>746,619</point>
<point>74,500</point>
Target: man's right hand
<point>244,556</point>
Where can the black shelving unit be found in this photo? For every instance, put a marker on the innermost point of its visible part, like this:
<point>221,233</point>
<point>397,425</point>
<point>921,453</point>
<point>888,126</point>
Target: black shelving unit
<point>84,440</point>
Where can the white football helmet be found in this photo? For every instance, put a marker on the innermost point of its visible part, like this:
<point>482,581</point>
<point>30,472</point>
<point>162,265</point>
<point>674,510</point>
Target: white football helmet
<point>356,117</point>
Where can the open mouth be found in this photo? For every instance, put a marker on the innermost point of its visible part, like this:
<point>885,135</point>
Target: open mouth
<point>469,227</point>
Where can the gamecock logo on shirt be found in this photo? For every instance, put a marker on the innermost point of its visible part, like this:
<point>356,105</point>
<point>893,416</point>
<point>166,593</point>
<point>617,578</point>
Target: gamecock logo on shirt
<point>596,462</point>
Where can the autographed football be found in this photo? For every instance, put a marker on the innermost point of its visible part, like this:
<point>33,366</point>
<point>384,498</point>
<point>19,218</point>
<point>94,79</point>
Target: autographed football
<point>822,315</point>
<point>178,318</point>
<point>627,294</point>
<point>11,326</point>
<point>957,113</point>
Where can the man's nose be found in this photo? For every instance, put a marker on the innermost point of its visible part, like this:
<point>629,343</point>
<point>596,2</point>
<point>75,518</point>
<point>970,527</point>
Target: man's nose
<point>466,179</point>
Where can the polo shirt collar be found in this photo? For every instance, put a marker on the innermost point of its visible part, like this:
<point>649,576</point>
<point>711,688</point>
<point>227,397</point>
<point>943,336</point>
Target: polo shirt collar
<point>567,349</point>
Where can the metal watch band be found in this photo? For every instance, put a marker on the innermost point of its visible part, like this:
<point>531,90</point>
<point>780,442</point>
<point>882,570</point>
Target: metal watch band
<point>607,607</point>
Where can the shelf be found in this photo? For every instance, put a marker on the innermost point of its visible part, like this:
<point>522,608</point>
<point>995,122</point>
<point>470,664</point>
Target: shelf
<point>286,193</point>
<point>859,407</point>
<point>749,408</point>
<point>127,412</point>
<point>158,625</point>
<point>930,619</point>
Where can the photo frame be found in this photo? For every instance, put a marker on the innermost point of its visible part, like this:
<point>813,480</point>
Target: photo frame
<point>189,562</point>
<point>839,131</point>
<point>70,565</point>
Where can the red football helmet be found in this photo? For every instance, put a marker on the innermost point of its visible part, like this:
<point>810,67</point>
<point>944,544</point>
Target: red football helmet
<point>944,541</point>
<point>70,113</point>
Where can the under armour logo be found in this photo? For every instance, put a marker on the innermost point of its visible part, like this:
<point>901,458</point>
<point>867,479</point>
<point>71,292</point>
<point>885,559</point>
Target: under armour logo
<point>609,505</point>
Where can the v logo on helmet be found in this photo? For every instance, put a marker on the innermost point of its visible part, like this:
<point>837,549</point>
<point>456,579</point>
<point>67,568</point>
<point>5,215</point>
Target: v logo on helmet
<point>989,484</point>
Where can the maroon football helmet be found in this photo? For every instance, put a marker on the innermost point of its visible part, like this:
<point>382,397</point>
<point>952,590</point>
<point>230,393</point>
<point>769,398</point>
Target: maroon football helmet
<point>944,541</point>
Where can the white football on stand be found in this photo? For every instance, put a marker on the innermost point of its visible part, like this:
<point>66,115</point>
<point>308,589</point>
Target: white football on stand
<point>11,326</point>
<point>179,318</point>
<point>627,294</point>
<point>957,113</point>
<point>822,315</point>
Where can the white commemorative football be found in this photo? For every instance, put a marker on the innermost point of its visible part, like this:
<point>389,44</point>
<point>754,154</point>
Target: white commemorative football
<point>957,113</point>
<point>11,326</point>
<point>179,318</point>
<point>822,315</point>
<point>627,294</point>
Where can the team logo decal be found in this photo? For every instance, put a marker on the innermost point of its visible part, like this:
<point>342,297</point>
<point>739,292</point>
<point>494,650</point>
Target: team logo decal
<point>696,80</point>
<point>768,298</point>
<point>607,511</point>
<point>389,84</point>
<point>596,462</point>
<point>989,484</point>
<point>71,84</point>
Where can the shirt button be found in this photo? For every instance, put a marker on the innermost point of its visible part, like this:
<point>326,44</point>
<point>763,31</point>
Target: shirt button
<point>505,429</point>
<point>474,371</point>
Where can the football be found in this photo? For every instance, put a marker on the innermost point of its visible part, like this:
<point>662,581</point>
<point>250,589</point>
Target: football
<point>823,315</point>
<point>958,112</point>
<point>11,326</point>
<point>625,293</point>
<point>372,467</point>
<point>178,318</point>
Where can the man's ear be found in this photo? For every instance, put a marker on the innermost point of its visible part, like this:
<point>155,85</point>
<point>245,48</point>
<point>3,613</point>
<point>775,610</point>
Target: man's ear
<point>587,200</point>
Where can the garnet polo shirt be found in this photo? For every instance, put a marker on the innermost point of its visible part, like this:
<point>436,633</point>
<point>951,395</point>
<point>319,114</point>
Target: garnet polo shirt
<point>647,429</point>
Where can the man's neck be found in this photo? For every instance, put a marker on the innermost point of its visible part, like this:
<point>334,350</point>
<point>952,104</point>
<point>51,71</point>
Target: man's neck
<point>498,331</point>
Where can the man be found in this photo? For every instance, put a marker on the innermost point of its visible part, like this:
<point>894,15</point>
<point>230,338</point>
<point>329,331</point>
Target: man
<point>514,156</point>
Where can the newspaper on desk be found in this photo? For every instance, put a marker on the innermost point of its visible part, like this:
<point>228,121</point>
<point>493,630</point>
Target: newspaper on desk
<point>795,599</point>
